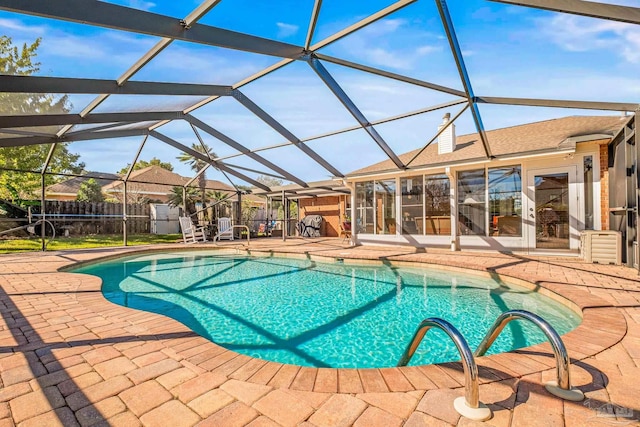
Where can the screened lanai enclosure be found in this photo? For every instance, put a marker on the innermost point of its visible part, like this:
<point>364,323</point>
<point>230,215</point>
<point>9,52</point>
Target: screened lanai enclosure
<point>243,108</point>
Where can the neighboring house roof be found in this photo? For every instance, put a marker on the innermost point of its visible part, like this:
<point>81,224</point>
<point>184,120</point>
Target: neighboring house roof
<point>156,180</point>
<point>531,138</point>
<point>71,186</point>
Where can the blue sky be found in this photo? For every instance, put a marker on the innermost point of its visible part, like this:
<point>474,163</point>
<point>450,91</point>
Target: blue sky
<point>509,51</point>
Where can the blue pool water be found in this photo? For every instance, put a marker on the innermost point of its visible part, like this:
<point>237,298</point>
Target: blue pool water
<point>322,314</point>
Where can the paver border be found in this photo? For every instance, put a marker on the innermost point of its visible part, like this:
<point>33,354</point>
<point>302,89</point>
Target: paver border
<point>602,327</point>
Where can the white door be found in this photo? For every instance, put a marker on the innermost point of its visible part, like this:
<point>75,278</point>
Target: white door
<point>553,209</point>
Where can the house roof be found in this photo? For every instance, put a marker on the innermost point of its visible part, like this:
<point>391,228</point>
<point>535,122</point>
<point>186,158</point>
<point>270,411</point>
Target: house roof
<point>156,180</point>
<point>531,138</point>
<point>71,186</point>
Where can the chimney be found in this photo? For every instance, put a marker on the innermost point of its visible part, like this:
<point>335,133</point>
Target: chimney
<point>447,139</point>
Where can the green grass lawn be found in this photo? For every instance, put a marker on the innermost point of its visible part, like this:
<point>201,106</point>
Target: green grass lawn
<point>83,242</point>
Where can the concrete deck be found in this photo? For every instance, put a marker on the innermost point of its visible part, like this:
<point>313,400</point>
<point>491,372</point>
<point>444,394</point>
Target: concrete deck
<point>69,357</point>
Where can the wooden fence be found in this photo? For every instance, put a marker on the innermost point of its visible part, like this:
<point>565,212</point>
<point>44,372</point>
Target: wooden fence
<point>82,218</point>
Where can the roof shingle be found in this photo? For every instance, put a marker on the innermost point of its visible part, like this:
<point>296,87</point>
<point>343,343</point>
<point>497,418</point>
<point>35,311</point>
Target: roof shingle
<point>528,138</point>
<point>154,180</point>
<point>71,186</point>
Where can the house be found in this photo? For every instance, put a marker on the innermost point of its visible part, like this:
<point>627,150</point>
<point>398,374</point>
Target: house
<point>156,183</point>
<point>546,182</point>
<point>68,190</point>
<point>151,183</point>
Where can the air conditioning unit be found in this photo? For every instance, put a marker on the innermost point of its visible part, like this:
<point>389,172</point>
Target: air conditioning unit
<point>601,247</point>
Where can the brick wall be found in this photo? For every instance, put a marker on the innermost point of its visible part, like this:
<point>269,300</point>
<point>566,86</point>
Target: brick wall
<point>329,207</point>
<point>604,187</point>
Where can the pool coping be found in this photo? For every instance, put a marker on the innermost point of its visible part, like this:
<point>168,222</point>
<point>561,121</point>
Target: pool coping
<point>602,327</point>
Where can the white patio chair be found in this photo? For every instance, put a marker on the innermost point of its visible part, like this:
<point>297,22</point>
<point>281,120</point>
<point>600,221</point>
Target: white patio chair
<point>225,231</point>
<point>191,233</point>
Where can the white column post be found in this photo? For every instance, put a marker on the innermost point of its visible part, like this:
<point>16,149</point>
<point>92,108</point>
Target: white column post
<point>453,202</point>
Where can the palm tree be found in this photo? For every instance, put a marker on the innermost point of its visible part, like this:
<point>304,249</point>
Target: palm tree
<point>197,164</point>
<point>175,198</point>
<point>221,198</point>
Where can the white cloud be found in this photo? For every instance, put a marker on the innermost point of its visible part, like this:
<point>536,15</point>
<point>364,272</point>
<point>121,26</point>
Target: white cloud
<point>391,43</point>
<point>286,30</point>
<point>190,64</point>
<point>391,59</point>
<point>574,83</point>
<point>578,34</point>
<point>427,49</point>
<point>18,25</point>
<point>386,26</point>
<point>101,46</point>
<point>141,4</point>
<point>68,46</point>
<point>65,51</point>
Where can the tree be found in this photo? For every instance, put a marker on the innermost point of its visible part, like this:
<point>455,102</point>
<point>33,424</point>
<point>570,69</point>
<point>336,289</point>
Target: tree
<point>141,164</point>
<point>269,181</point>
<point>196,165</point>
<point>90,191</point>
<point>222,201</point>
<point>248,213</point>
<point>15,185</point>
<point>175,198</point>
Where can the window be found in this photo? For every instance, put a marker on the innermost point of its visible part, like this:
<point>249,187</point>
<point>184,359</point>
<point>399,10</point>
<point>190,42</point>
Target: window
<point>385,206</point>
<point>588,192</point>
<point>437,189</point>
<point>505,201</point>
<point>412,205</point>
<point>376,207</point>
<point>364,207</point>
<point>471,202</point>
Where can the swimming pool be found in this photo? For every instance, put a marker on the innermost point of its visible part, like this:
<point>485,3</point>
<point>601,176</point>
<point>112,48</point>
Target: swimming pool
<point>320,314</point>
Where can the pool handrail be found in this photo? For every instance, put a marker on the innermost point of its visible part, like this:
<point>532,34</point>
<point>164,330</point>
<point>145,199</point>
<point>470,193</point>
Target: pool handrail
<point>562,387</point>
<point>471,392</point>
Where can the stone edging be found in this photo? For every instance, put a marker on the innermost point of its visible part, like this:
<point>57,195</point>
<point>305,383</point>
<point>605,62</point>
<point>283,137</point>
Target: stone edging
<point>602,326</point>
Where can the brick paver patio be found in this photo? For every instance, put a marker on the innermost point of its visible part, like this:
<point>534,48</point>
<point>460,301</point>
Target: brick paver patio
<point>69,357</point>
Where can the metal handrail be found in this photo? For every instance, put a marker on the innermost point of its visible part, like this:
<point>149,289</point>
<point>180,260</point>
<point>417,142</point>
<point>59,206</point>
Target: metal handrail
<point>471,393</point>
<point>217,236</point>
<point>559,350</point>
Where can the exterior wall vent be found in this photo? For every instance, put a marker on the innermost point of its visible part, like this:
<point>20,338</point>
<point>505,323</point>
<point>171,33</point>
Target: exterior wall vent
<point>447,139</point>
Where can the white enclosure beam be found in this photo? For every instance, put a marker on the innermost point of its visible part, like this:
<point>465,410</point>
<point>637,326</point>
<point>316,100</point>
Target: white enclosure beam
<point>275,125</point>
<point>391,75</point>
<point>558,103</point>
<point>38,84</point>
<point>334,87</point>
<point>117,17</point>
<point>200,156</point>
<point>242,149</point>
<point>462,70</point>
<point>609,11</point>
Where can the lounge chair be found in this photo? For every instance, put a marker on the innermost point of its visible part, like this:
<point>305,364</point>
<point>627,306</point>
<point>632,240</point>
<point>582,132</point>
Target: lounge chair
<point>225,231</point>
<point>191,233</point>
